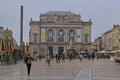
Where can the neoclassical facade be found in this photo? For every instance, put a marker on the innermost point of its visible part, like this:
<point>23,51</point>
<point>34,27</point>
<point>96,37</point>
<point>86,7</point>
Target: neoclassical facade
<point>57,31</point>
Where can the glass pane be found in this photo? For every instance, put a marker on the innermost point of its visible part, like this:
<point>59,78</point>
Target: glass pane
<point>61,35</point>
<point>71,34</point>
<point>50,35</point>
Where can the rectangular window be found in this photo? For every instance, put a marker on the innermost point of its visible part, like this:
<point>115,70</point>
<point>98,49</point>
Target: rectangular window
<point>35,37</point>
<point>78,35</point>
<point>86,37</point>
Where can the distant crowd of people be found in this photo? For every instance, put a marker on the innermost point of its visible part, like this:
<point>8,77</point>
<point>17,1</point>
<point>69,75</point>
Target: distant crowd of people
<point>62,57</point>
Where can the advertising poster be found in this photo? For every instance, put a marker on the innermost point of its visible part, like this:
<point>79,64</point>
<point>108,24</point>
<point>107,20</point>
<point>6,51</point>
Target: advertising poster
<point>43,35</point>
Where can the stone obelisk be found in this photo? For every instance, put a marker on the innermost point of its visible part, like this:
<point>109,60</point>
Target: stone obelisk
<point>21,30</point>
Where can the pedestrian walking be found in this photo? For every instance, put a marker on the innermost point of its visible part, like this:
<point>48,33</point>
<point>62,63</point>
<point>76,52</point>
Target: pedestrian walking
<point>4,59</point>
<point>63,57</point>
<point>89,56</point>
<point>48,59</point>
<point>81,56</point>
<point>28,61</point>
<point>1,59</point>
<point>93,56</point>
<point>56,57</point>
<point>40,56</point>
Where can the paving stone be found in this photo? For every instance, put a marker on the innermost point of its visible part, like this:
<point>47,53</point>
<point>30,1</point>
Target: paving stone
<point>101,69</point>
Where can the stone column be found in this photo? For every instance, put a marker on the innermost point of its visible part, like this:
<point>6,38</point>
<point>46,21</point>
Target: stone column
<point>66,35</point>
<point>55,36</point>
<point>75,35</point>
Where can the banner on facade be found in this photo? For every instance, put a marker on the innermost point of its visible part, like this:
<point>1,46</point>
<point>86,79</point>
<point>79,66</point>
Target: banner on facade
<point>78,35</point>
<point>43,35</point>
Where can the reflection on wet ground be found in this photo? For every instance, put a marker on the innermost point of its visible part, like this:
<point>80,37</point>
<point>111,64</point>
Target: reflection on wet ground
<point>101,69</point>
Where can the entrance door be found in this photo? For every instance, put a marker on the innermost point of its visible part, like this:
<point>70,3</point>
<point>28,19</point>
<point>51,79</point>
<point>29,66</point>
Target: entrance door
<point>60,50</point>
<point>50,49</point>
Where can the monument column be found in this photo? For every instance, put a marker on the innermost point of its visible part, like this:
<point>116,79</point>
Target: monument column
<point>21,30</point>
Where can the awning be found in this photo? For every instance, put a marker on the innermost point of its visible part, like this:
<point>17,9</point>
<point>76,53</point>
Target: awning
<point>117,51</point>
<point>103,51</point>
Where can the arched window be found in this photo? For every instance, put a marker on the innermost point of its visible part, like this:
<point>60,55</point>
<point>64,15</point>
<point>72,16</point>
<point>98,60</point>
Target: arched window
<point>50,35</point>
<point>60,35</point>
<point>35,37</point>
<point>71,35</point>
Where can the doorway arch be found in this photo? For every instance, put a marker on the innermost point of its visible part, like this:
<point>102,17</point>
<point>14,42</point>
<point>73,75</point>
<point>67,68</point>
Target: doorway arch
<point>50,51</point>
<point>60,50</point>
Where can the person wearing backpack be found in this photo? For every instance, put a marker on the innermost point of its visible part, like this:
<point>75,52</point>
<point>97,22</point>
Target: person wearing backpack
<point>28,61</point>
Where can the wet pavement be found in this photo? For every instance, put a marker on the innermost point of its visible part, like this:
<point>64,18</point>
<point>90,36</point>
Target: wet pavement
<point>101,69</point>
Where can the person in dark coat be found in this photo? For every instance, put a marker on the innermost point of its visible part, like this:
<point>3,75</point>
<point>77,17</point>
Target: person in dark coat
<point>89,56</point>
<point>93,56</point>
<point>28,61</point>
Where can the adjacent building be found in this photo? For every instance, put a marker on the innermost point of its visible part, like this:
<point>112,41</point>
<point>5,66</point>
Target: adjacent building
<point>1,39</point>
<point>110,40</point>
<point>7,42</point>
<point>58,31</point>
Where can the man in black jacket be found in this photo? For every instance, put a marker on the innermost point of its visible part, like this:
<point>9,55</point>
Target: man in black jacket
<point>28,61</point>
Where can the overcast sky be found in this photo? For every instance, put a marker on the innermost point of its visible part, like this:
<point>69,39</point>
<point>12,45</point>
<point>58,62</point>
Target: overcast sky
<point>103,13</point>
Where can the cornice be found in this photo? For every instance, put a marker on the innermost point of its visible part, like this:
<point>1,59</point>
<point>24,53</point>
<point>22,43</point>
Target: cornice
<point>34,23</point>
<point>77,23</point>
